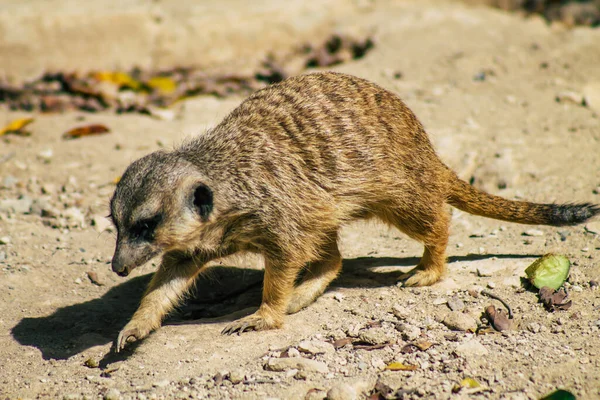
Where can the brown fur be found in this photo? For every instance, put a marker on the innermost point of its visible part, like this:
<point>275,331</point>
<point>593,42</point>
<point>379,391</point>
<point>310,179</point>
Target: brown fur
<point>279,176</point>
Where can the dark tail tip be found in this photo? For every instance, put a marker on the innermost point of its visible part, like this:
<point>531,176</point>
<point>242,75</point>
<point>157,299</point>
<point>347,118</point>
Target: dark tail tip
<point>572,214</point>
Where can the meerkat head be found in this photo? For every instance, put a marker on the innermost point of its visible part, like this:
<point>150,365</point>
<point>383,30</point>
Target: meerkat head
<point>162,203</point>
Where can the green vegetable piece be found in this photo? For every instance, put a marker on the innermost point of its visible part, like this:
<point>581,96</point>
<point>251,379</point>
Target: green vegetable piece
<point>551,270</point>
<point>559,394</point>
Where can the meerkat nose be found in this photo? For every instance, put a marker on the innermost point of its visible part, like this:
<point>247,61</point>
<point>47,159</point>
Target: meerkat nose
<point>119,267</point>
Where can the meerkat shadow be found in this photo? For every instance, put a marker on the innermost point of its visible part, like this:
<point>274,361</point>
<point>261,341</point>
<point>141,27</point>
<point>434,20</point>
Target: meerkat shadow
<point>223,293</point>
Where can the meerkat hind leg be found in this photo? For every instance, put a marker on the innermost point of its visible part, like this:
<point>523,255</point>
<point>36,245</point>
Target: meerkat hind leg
<point>277,288</point>
<point>318,276</point>
<point>432,231</point>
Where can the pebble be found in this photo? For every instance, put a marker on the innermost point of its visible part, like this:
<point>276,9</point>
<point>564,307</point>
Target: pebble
<point>409,332</point>
<point>534,327</point>
<point>338,297</point>
<point>161,384</point>
<point>569,96</point>
<point>45,155</point>
<point>292,352</point>
<point>400,312</point>
<point>2,255</point>
<point>596,191</point>
<point>101,224</point>
<point>458,321</point>
<point>456,304</point>
<point>439,301</point>
<point>112,394</point>
<point>49,188</point>
<point>5,240</point>
<point>348,391</point>
<point>21,205</point>
<point>471,348</point>
<point>315,347</point>
<point>299,363</point>
<point>74,216</point>
<point>43,208</point>
<point>484,271</point>
<point>236,376</point>
<point>491,284</point>
<point>591,94</point>
<point>533,232</point>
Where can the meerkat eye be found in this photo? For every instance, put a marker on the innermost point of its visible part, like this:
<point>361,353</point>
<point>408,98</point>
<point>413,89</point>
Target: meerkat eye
<point>145,228</point>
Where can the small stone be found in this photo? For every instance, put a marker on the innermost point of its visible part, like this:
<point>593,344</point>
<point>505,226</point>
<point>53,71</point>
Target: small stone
<point>49,188</point>
<point>348,391</point>
<point>338,296</point>
<point>292,352</point>
<point>375,336</point>
<point>409,332</point>
<point>112,394</point>
<point>101,224</point>
<point>484,271</point>
<point>456,304</point>
<point>2,255</point>
<point>315,394</point>
<point>300,375</point>
<point>491,284</point>
<point>594,284</point>
<point>315,347</point>
<point>471,348</point>
<point>534,327</point>
<point>299,363</point>
<point>533,232</point>
<point>474,292</point>
<point>5,240</point>
<point>576,288</point>
<point>236,376</point>
<point>161,384</point>
<point>21,205</point>
<point>458,321</point>
<point>569,97</point>
<point>45,155</point>
<point>400,312</point>
<point>439,301</point>
<point>596,190</point>
<point>74,217</point>
<point>78,281</point>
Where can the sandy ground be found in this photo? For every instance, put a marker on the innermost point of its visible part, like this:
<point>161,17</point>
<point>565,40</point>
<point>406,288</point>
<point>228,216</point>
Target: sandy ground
<point>484,83</point>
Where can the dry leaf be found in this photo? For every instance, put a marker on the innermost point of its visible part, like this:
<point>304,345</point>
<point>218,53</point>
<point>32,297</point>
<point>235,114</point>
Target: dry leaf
<point>554,300</point>
<point>397,366</point>
<point>162,84</point>
<point>367,346</point>
<point>467,383</point>
<point>16,127</point>
<point>120,79</point>
<point>88,130</point>
<point>498,319</point>
<point>424,345</point>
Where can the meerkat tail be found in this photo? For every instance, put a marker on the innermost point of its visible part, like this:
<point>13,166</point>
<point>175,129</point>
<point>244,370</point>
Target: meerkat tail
<point>467,198</point>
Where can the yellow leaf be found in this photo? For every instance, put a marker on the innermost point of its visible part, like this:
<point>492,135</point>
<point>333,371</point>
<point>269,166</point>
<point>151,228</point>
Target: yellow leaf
<point>16,126</point>
<point>88,130</point>
<point>469,383</point>
<point>396,366</point>
<point>163,84</point>
<point>120,79</point>
<point>116,180</point>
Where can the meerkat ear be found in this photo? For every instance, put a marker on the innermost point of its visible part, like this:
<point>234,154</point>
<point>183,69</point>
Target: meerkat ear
<point>203,200</point>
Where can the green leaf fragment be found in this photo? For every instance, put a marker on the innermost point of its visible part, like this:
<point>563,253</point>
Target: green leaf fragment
<point>551,270</point>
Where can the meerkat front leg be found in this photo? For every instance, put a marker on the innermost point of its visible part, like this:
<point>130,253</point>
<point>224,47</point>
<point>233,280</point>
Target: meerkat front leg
<point>168,285</point>
<point>277,289</point>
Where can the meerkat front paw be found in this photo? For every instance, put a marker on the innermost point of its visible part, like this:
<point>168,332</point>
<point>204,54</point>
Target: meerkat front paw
<point>425,277</point>
<point>254,322</point>
<point>132,332</point>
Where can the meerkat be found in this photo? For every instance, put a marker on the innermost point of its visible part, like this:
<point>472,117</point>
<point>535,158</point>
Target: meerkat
<point>279,176</point>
